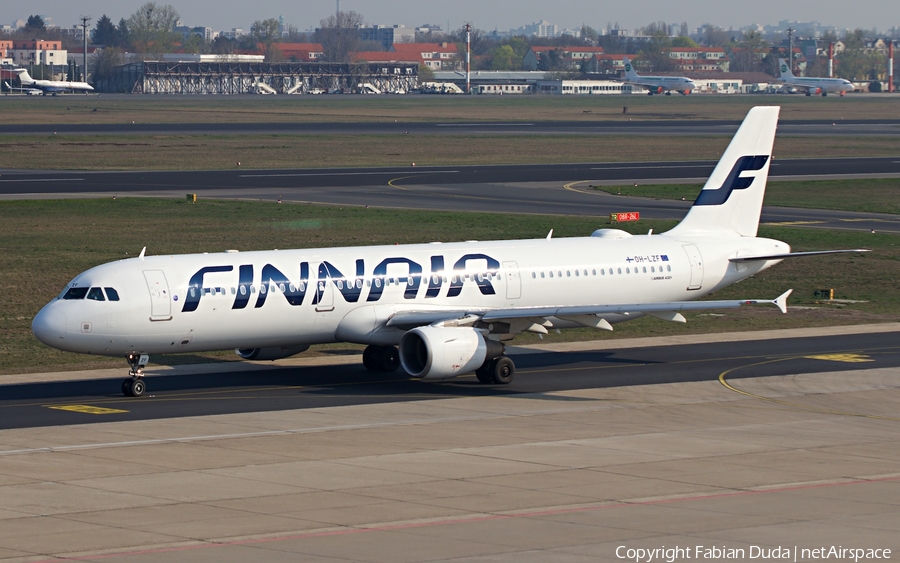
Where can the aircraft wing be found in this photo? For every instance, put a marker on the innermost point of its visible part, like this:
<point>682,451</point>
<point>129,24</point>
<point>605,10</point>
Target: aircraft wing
<point>792,255</point>
<point>406,320</point>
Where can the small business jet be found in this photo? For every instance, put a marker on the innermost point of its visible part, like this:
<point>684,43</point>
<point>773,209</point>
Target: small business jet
<point>813,85</point>
<point>449,307</point>
<point>51,86</point>
<point>657,84</point>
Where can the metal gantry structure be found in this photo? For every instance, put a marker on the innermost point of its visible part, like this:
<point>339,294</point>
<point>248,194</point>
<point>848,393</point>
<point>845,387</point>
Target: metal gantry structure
<point>229,78</point>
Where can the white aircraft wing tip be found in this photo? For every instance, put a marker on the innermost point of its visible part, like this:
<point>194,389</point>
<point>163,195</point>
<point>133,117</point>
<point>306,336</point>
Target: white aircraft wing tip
<point>781,301</point>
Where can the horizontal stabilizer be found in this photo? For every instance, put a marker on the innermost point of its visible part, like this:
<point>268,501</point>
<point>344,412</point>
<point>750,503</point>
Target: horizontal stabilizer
<point>792,255</point>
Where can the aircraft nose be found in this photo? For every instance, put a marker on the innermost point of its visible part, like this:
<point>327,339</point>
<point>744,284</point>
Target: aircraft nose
<point>49,325</point>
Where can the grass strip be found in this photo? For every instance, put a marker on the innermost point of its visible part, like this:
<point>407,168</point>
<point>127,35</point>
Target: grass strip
<point>222,152</point>
<point>863,195</point>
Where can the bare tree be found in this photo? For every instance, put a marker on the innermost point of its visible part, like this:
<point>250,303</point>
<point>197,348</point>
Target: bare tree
<point>105,62</point>
<point>151,29</point>
<point>339,35</point>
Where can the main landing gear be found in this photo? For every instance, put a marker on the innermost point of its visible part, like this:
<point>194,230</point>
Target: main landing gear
<point>381,358</point>
<point>500,370</point>
<point>135,386</point>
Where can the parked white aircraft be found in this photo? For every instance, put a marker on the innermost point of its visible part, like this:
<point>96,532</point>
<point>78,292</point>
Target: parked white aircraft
<point>813,85</point>
<point>51,86</point>
<point>657,84</point>
<point>450,307</point>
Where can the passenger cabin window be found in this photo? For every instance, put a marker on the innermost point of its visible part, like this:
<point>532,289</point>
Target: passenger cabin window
<point>96,294</point>
<point>76,293</point>
<point>111,294</point>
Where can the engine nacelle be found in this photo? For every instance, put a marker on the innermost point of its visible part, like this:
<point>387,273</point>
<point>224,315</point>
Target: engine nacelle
<point>271,353</point>
<point>436,352</point>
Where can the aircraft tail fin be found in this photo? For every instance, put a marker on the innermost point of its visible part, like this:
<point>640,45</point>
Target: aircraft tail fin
<point>731,200</point>
<point>24,77</point>
<point>784,70</point>
<point>629,69</point>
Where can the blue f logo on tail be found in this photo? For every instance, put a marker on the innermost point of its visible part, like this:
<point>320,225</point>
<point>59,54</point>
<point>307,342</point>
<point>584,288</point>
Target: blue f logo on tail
<point>734,181</point>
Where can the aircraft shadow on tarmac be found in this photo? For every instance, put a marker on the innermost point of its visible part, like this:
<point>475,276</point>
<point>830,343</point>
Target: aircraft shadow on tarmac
<point>350,380</point>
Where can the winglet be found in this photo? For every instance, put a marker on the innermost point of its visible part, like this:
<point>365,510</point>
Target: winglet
<point>781,301</point>
<point>550,234</point>
<point>141,255</point>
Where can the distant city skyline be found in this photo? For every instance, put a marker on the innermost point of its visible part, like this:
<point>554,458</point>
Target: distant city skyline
<point>488,14</point>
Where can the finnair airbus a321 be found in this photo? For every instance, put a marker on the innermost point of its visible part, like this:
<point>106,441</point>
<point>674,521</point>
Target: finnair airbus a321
<point>657,84</point>
<point>449,307</point>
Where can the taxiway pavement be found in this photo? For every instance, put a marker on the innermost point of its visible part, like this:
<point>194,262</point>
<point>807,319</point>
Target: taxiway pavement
<point>805,458</point>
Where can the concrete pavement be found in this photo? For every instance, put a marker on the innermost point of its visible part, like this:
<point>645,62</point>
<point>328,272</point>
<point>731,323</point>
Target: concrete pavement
<point>807,460</point>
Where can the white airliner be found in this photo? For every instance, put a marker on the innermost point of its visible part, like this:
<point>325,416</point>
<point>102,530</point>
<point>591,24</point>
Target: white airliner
<point>51,86</point>
<point>450,307</point>
<point>657,84</point>
<point>813,85</point>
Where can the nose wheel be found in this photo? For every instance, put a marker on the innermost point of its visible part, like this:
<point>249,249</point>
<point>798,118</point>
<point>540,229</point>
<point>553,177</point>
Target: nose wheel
<point>135,386</point>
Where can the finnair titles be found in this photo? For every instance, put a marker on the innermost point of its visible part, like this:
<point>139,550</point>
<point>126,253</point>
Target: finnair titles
<point>437,310</point>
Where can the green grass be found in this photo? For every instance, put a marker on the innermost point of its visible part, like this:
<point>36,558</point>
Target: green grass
<point>281,109</point>
<point>43,244</point>
<point>867,195</point>
<point>222,152</point>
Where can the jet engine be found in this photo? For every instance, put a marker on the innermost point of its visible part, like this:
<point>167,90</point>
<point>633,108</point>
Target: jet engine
<point>436,352</point>
<point>271,353</point>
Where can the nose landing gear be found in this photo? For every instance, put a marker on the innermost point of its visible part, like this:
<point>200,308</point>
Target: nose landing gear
<point>135,386</point>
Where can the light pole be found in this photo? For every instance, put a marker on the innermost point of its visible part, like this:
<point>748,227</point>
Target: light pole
<point>84,22</point>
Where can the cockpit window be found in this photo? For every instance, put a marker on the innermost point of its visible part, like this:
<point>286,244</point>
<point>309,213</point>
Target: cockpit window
<point>111,294</point>
<point>76,293</point>
<point>96,294</point>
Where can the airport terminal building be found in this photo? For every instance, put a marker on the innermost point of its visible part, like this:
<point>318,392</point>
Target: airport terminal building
<point>246,77</point>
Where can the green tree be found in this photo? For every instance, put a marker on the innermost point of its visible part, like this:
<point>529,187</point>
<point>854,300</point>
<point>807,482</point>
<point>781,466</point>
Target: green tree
<point>684,41</point>
<point>265,33</point>
<point>503,58</point>
<point>194,43</point>
<point>520,46</point>
<point>339,36</point>
<point>105,32</point>
<point>124,35</point>
<point>656,53</point>
<point>425,74</point>
<point>151,29</point>
<point>35,26</point>
<point>589,34</point>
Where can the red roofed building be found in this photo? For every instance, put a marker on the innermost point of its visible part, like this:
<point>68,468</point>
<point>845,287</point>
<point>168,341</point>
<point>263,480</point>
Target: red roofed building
<point>693,59</point>
<point>571,57</point>
<point>382,57</point>
<point>300,52</point>
<point>436,56</point>
<point>5,48</point>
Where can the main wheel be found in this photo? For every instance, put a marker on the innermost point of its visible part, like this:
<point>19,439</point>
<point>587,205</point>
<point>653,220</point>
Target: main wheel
<point>370,357</point>
<point>388,358</point>
<point>502,370</point>
<point>484,372</point>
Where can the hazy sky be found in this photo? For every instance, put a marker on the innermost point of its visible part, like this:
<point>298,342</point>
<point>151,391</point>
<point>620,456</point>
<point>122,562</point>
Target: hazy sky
<point>485,14</point>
